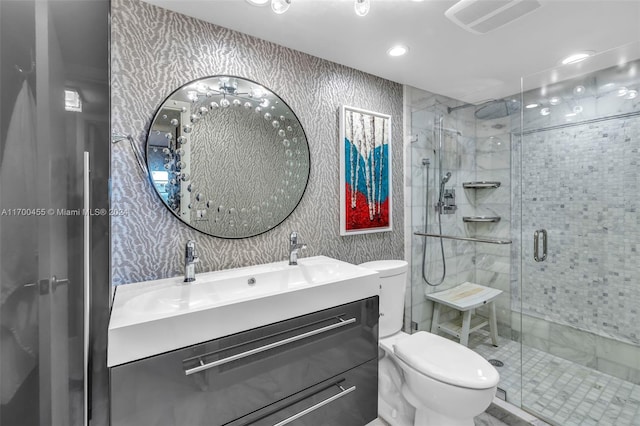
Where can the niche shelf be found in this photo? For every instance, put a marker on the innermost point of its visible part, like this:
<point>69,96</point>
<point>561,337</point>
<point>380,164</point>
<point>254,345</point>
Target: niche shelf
<point>481,184</point>
<point>481,219</point>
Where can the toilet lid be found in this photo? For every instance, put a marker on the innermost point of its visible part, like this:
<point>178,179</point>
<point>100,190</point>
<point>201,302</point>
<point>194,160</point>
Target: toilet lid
<point>446,361</point>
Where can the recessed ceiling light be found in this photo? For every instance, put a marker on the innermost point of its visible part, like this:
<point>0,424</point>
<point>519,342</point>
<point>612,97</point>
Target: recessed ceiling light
<point>545,111</point>
<point>398,50</point>
<point>555,100</point>
<point>258,2</point>
<point>622,91</point>
<point>531,106</point>
<point>577,57</point>
<point>631,94</point>
<point>579,90</point>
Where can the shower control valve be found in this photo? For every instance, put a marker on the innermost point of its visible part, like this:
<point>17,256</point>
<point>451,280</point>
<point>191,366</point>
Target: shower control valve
<point>448,203</point>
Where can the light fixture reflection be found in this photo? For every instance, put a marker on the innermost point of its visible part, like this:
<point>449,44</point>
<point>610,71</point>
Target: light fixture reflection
<point>631,94</point>
<point>545,111</point>
<point>555,100</point>
<point>531,106</point>
<point>192,95</point>
<point>280,6</point>
<point>72,100</point>
<point>362,7</point>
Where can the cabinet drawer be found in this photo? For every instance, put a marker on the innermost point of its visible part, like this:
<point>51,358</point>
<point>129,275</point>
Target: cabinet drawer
<point>348,399</point>
<point>217,382</point>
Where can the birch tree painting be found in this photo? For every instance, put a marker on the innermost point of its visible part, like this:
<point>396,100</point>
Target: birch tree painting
<point>365,188</point>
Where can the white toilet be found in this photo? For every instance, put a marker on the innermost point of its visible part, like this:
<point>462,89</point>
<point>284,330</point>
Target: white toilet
<point>425,379</point>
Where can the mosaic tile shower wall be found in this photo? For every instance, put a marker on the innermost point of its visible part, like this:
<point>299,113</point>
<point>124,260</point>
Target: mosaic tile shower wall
<point>155,51</point>
<point>580,184</point>
<point>578,178</point>
<point>578,159</point>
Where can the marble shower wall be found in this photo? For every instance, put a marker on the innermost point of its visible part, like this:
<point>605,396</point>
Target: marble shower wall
<point>155,51</point>
<point>458,157</point>
<point>474,150</point>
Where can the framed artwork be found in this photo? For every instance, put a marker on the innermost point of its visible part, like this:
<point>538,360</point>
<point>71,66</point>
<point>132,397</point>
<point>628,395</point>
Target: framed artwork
<point>365,171</point>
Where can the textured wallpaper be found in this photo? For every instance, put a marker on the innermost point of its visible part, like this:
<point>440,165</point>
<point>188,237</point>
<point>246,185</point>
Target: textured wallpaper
<point>155,51</point>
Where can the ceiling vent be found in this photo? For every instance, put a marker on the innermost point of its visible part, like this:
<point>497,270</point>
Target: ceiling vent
<point>482,16</point>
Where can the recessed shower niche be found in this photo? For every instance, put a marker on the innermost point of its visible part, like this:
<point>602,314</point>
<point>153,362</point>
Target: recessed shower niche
<point>228,157</point>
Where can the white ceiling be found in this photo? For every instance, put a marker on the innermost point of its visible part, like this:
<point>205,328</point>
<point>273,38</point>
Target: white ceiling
<point>443,57</point>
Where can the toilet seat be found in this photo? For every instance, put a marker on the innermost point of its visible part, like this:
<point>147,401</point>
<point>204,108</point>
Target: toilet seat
<point>446,361</point>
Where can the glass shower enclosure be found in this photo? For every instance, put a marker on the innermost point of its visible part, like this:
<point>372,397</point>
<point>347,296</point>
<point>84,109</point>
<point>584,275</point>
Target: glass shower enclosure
<point>577,162</point>
<point>561,171</point>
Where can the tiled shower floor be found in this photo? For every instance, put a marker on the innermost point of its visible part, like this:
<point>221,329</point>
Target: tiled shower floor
<point>560,391</point>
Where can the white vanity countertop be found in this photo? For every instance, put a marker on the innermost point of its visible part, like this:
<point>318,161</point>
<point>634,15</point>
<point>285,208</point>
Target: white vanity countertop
<point>154,317</point>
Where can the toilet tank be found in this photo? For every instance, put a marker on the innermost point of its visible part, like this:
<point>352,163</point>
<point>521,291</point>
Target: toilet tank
<point>393,283</point>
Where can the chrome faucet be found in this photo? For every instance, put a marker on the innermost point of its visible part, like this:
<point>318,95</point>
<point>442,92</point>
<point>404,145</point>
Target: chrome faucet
<point>190,260</point>
<point>294,246</point>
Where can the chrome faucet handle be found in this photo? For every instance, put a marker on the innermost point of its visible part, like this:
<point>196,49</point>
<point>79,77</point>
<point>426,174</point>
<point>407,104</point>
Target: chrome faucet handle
<point>294,246</point>
<point>190,259</point>
<point>190,250</point>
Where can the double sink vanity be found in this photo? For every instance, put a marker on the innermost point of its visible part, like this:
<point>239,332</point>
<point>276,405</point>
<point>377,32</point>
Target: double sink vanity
<point>282,343</point>
<point>271,344</point>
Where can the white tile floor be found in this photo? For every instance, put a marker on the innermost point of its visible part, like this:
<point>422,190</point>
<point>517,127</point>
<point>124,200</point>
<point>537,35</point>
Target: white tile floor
<point>560,391</point>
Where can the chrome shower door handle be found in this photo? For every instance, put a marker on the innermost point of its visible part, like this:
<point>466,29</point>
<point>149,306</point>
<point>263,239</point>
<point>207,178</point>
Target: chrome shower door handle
<point>536,243</point>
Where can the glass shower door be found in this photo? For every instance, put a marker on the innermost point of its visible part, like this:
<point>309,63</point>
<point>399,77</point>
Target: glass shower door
<point>579,234</point>
<point>42,191</point>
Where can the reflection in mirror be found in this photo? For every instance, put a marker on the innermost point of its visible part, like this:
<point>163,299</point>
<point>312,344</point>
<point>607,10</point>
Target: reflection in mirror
<point>228,157</point>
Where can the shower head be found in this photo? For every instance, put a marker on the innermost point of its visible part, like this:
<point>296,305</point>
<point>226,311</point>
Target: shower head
<point>446,178</point>
<point>497,109</point>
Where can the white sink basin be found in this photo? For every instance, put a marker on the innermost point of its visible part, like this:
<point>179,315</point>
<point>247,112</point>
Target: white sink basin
<point>153,317</point>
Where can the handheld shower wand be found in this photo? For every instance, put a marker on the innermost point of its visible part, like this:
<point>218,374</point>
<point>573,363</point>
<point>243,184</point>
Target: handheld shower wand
<point>443,181</point>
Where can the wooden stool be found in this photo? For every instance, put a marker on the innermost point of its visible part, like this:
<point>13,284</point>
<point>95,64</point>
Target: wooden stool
<point>465,298</point>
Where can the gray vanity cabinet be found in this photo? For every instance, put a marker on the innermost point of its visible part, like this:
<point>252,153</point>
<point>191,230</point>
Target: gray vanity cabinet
<point>323,365</point>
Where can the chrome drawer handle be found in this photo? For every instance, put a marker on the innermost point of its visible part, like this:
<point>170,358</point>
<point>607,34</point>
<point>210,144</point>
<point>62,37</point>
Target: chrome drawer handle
<point>283,342</point>
<point>315,407</point>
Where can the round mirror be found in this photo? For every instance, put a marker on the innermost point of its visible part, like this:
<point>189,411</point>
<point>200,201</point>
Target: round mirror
<point>228,157</point>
